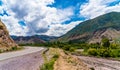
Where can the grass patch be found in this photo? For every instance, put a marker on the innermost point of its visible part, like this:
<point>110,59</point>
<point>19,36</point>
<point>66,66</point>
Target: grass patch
<point>116,53</point>
<point>49,64</point>
<point>11,49</point>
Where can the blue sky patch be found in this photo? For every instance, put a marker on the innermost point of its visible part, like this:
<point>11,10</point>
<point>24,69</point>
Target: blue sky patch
<point>4,13</point>
<point>114,3</point>
<point>22,23</point>
<point>67,3</point>
<point>1,3</point>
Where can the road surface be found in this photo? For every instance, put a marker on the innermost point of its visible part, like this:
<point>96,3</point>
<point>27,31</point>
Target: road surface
<point>28,59</point>
<point>100,63</point>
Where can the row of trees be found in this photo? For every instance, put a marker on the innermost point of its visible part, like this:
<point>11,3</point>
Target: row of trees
<point>105,49</point>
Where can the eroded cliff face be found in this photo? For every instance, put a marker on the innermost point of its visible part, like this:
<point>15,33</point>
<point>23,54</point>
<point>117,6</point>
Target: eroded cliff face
<point>110,33</point>
<point>5,41</point>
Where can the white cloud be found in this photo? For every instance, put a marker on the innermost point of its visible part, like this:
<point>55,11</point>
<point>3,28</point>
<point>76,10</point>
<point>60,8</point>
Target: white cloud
<point>60,29</point>
<point>96,8</point>
<point>37,15</point>
<point>13,26</point>
<point>1,9</point>
<point>42,19</point>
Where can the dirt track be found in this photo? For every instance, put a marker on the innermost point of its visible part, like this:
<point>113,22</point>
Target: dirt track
<point>29,61</point>
<point>100,63</point>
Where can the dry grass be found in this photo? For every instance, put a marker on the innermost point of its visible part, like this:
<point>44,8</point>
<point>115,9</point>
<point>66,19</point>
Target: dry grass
<point>65,61</point>
<point>68,62</point>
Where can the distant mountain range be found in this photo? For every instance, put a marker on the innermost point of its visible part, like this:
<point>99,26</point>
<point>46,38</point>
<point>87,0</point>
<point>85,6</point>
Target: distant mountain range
<point>35,39</point>
<point>107,25</point>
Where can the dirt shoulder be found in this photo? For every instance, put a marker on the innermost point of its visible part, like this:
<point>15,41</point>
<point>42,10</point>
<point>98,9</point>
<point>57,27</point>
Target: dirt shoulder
<point>68,62</point>
<point>100,63</point>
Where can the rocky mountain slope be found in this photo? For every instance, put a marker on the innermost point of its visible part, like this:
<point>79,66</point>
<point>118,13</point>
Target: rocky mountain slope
<point>5,40</point>
<point>107,25</point>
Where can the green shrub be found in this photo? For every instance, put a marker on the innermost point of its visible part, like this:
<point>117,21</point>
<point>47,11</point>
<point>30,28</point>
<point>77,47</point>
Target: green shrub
<point>67,48</point>
<point>107,53</point>
<point>114,46</point>
<point>100,52</point>
<point>95,45</point>
<point>86,49</point>
<point>92,68</point>
<point>56,56</point>
<point>14,48</point>
<point>92,52</point>
<point>0,51</point>
<point>105,42</point>
<point>115,53</point>
<point>118,53</point>
<point>72,49</point>
<point>104,52</point>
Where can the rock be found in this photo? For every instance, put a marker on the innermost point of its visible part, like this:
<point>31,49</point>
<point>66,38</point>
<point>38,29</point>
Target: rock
<point>5,40</point>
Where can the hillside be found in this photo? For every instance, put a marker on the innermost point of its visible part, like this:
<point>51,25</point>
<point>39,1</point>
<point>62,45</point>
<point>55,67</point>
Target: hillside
<point>5,40</point>
<point>107,25</point>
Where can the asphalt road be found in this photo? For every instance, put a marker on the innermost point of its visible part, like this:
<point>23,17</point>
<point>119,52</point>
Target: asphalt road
<point>29,58</point>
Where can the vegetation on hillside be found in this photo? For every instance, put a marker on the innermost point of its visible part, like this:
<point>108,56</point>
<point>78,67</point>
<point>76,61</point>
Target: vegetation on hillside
<point>85,30</point>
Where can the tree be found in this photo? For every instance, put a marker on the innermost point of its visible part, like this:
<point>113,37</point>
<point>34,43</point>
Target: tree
<point>105,42</point>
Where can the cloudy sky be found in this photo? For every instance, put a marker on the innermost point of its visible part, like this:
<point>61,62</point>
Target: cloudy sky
<point>51,17</point>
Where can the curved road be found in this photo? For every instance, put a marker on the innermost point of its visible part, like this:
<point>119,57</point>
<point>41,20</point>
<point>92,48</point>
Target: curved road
<point>28,59</point>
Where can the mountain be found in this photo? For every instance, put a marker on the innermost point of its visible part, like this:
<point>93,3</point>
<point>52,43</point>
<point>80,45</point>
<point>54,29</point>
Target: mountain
<point>5,40</point>
<point>35,39</point>
<point>46,37</point>
<point>93,30</point>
